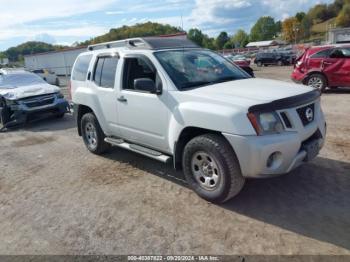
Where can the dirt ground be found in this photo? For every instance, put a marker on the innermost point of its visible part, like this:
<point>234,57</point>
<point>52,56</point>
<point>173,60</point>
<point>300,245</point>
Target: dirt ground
<point>56,198</point>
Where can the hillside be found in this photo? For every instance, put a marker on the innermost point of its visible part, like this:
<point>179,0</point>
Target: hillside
<point>147,29</point>
<point>32,47</point>
<point>322,28</point>
<point>138,30</point>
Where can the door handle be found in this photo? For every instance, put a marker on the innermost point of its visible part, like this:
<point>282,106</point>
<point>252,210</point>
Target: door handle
<point>327,63</point>
<point>122,99</point>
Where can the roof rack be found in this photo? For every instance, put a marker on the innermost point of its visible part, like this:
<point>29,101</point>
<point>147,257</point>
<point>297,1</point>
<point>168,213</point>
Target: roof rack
<point>150,43</point>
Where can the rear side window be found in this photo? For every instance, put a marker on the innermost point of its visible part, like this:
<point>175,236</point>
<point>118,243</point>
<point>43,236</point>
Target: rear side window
<point>81,68</point>
<point>322,54</point>
<point>105,70</point>
<point>341,53</point>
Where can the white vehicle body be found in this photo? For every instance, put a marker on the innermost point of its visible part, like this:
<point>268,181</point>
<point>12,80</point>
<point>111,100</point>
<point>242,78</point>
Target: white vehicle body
<point>158,121</point>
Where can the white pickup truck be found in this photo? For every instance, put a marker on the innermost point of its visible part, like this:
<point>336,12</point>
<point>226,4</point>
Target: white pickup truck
<point>168,99</point>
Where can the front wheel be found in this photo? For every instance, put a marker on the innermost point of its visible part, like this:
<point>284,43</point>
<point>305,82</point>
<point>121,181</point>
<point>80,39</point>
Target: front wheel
<point>93,135</point>
<point>317,81</point>
<point>211,168</point>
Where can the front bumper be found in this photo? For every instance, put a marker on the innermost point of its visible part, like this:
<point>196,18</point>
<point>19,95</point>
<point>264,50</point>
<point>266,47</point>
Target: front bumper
<point>20,111</point>
<point>253,152</point>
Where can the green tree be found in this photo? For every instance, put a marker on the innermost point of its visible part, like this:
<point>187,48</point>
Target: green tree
<point>221,40</point>
<point>343,19</point>
<point>306,25</point>
<point>318,13</point>
<point>336,7</point>
<point>138,30</point>
<point>16,53</point>
<point>208,42</point>
<point>229,45</point>
<point>300,16</point>
<point>240,38</point>
<point>196,36</point>
<point>264,29</point>
<point>291,29</point>
<point>278,27</point>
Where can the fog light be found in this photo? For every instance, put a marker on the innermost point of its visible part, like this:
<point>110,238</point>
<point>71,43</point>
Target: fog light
<point>274,160</point>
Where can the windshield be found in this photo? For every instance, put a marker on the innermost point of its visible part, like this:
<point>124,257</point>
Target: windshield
<point>194,68</point>
<point>17,80</point>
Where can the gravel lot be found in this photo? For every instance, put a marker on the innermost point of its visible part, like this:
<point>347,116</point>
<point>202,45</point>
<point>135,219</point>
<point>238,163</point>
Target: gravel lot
<point>56,198</point>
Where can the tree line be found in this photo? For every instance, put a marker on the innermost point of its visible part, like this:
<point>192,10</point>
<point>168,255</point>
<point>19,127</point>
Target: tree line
<point>293,29</point>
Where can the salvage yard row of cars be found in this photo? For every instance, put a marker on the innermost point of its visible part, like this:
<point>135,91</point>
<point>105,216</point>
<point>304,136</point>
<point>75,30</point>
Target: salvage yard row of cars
<point>168,99</point>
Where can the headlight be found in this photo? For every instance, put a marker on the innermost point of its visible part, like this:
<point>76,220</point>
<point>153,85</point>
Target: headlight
<point>266,123</point>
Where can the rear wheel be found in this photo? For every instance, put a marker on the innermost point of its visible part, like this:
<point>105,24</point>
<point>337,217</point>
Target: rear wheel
<point>280,63</point>
<point>259,64</point>
<point>211,168</point>
<point>317,81</point>
<point>93,135</point>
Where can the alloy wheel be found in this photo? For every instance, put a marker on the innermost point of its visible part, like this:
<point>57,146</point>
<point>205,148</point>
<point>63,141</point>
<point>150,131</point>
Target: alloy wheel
<point>205,170</point>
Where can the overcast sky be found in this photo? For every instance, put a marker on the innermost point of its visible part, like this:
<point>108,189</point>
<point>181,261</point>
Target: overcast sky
<point>68,21</point>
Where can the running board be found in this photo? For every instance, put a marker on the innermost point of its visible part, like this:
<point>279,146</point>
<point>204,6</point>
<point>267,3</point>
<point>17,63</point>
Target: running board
<point>138,149</point>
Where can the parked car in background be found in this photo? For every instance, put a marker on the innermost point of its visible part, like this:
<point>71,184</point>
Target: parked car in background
<point>173,101</point>
<point>243,62</point>
<point>272,58</point>
<point>24,95</point>
<point>324,66</point>
<point>49,76</point>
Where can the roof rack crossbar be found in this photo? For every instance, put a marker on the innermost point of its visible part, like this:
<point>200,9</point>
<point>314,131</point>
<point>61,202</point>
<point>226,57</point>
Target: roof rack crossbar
<point>150,43</point>
<point>131,43</point>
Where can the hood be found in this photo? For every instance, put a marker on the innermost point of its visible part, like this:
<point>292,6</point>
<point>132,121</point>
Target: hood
<point>15,93</point>
<point>248,92</point>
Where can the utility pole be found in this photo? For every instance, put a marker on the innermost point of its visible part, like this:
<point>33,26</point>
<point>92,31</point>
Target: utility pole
<point>296,30</point>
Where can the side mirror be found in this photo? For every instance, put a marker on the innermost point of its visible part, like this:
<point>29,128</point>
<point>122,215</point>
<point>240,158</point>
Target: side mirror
<point>147,85</point>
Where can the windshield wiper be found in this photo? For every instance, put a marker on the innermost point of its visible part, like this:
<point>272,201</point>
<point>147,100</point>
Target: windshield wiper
<point>224,79</point>
<point>205,83</point>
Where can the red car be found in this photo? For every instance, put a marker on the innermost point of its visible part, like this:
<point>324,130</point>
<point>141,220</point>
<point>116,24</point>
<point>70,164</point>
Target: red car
<point>324,66</point>
<point>242,62</point>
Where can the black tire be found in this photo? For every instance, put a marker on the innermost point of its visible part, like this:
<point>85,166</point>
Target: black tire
<point>230,181</point>
<point>317,81</point>
<point>100,146</point>
<point>57,82</point>
<point>259,64</point>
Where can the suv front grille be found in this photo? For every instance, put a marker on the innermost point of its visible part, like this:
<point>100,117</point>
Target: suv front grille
<point>39,101</point>
<point>286,120</point>
<point>307,114</point>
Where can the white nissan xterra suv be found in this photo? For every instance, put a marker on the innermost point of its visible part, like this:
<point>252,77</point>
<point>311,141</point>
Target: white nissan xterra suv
<point>168,99</point>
